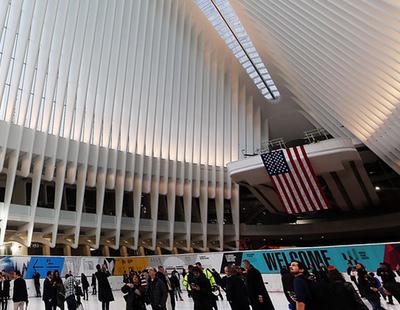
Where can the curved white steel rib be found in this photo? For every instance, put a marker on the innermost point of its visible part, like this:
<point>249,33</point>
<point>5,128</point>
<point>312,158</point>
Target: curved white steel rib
<point>340,59</point>
<point>125,95</point>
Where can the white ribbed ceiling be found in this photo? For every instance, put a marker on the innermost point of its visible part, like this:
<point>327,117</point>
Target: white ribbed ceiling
<point>339,59</point>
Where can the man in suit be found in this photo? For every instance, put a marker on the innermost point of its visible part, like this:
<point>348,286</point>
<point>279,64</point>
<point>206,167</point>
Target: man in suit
<point>48,291</point>
<point>20,292</point>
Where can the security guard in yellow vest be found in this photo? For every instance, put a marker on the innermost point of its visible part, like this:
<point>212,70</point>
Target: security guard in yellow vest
<point>187,280</point>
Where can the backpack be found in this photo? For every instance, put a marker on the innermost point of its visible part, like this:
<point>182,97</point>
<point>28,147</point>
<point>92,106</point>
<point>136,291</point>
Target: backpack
<point>318,293</point>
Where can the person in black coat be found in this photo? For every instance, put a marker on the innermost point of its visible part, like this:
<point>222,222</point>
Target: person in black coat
<point>94,285</point>
<point>135,294</point>
<point>7,284</point>
<point>59,291</point>
<point>48,291</point>
<point>105,292</point>
<point>258,295</point>
<point>341,294</point>
<point>236,292</point>
<point>85,286</point>
<point>389,281</point>
<point>176,286</point>
<point>162,274</point>
<point>36,280</point>
<point>3,293</point>
<point>201,291</point>
<point>157,292</point>
<point>287,285</point>
<point>370,291</point>
<point>20,292</point>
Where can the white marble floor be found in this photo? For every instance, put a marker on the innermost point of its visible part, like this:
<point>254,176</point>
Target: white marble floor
<point>278,299</point>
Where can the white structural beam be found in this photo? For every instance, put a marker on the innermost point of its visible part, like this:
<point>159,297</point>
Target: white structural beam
<point>128,97</point>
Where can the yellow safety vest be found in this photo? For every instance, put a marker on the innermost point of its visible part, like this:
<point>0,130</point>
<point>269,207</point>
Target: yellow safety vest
<point>210,277</point>
<point>186,284</point>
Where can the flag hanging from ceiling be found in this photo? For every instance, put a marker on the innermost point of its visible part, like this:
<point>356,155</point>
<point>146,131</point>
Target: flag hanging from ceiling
<point>294,180</point>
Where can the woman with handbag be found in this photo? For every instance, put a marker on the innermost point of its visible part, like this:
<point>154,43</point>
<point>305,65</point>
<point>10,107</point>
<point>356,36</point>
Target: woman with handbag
<point>135,294</point>
<point>59,291</point>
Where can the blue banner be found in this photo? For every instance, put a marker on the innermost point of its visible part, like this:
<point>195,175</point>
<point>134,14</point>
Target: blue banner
<point>44,264</point>
<point>272,261</point>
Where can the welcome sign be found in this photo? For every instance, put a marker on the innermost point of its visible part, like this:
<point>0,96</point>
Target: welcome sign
<point>273,261</point>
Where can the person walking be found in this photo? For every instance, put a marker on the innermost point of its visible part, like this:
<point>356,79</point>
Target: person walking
<point>85,286</point>
<point>59,291</point>
<point>368,287</point>
<point>3,298</point>
<point>176,286</point>
<point>157,293</point>
<point>213,283</point>
<point>48,291</point>
<point>177,274</point>
<point>341,294</point>
<point>236,292</point>
<point>135,294</point>
<point>163,275</point>
<point>187,279</point>
<point>7,285</point>
<point>203,297</point>
<point>258,295</point>
<point>36,281</point>
<point>94,285</point>
<point>105,292</point>
<point>69,285</point>
<point>389,281</point>
<point>20,292</point>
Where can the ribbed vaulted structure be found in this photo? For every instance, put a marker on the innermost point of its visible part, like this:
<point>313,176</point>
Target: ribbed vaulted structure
<point>339,59</point>
<point>124,95</point>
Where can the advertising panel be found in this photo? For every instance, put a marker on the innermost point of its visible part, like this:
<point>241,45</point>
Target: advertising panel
<point>88,265</point>
<point>10,264</point>
<point>210,260</point>
<point>125,264</point>
<point>231,258</point>
<point>42,264</point>
<point>273,261</point>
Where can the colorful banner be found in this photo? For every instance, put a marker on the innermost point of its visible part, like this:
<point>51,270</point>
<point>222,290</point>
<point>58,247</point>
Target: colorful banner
<point>267,261</point>
<point>273,261</point>
<point>125,264</point>
<point>232,258</point>
<point>42,264</point>
<point>10,264</point>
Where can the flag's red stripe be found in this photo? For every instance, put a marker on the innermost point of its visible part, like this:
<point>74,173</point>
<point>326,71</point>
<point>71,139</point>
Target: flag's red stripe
<point>275,180</point>
<point>301,181</point>
<point>308,180</point>
<point>293,190</point>
<point>314,176</point>
<point>296,186</point>
<point>287,182</point>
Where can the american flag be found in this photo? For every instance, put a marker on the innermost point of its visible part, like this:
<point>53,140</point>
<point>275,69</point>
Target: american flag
<point>294,180</point>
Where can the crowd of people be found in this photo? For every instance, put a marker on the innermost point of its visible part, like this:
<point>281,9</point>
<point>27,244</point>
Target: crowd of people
<point>326,288</point>
<point>305,288</point>
<point>155,287</point>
